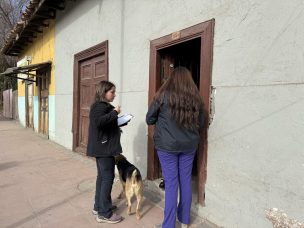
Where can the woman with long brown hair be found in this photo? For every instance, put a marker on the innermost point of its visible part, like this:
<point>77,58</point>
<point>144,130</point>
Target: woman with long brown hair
<point>177,112</point>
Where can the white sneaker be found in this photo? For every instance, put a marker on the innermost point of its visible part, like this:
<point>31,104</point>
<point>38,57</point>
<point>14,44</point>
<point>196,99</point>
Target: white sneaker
<point>94,212</point>
<point>113,208</point>
<point>112,220</point>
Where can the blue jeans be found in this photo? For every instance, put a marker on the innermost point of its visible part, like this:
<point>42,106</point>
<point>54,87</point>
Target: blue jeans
<point>104,182</point>
<point>177,172</point>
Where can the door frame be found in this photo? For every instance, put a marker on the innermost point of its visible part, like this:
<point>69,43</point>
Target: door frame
<point>81,56</point>
<point>204,31</point>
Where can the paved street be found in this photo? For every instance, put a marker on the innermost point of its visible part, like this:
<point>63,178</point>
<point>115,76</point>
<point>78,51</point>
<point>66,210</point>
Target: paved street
<point>43,184</point>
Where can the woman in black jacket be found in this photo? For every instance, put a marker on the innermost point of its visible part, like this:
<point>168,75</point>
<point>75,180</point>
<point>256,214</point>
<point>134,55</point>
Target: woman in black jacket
<point>104,144</point>
<point>177,112</point>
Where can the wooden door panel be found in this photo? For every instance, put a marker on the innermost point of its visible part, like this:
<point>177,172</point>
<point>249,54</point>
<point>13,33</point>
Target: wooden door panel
<point>43,87</point>
<point>100,69</point>
<point>92,71</point>
<point>84,125</point>
<point>86,71</point>
<point>85,96</point>
<point>30,105</point>
<point>167,66</point>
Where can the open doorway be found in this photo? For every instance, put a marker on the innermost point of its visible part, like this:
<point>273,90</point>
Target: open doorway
<point>186,54</point>
<point>192,48</point>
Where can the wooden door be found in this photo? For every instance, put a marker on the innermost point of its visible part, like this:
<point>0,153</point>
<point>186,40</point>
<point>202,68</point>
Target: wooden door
<point>43,88</point>
<point>92,71</point>
<point>90,67</point>
<point>7,103</point>
<point>166,67</point>
<point>29,105</point>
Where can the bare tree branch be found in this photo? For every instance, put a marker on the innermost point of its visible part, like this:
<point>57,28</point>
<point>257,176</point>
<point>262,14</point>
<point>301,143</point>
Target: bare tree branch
<point>10,12</point>
<point>5,16</point>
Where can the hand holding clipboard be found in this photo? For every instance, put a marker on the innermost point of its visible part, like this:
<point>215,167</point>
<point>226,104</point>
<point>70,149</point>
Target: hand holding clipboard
<point>124,119</point>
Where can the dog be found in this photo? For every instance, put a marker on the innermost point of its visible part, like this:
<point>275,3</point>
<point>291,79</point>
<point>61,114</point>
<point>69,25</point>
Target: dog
<point>131,181</point>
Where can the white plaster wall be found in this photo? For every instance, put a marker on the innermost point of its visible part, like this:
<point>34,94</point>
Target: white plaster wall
<point>52,117</point>
<point>255,156</point>
<point>82,25</point>
<point>256,159</point>
<point>255,163</point>
<point>21,99</point>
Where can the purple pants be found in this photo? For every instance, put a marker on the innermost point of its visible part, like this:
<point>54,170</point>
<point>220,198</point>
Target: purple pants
<point>177,172</point>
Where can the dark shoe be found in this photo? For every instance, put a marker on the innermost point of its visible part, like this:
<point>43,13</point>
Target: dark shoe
<point>112,220</point>
<point>95,212</point>
<point>162,184</point>
<point>113,208</point>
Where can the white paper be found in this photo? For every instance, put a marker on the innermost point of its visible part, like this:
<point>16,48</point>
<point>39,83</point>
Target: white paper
<point>124,119</point>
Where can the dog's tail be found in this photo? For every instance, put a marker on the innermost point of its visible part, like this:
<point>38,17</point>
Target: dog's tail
<point>135,176</point>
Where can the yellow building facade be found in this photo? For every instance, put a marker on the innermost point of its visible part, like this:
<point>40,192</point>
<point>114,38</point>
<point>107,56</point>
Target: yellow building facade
<point>36,104</point>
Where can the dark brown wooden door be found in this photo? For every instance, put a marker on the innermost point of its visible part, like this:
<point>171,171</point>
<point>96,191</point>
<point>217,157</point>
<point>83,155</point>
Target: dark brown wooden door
<point>92,71</point>
<point>90,67</point>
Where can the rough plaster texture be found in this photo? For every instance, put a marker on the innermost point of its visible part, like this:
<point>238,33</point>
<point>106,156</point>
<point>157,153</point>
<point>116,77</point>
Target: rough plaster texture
<point>255,159</point>
<point>52,117</point>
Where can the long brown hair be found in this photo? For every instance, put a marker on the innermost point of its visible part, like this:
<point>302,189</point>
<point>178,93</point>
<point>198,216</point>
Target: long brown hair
<point>184,99</point>
<point>101,89</point>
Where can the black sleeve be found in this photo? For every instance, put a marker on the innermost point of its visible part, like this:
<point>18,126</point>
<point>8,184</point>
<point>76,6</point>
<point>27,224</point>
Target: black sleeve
<point>101,118</point>
<point>152,114</point>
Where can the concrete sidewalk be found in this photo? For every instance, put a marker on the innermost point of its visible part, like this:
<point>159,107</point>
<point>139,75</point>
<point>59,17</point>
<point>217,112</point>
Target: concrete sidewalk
<point>43,184</point>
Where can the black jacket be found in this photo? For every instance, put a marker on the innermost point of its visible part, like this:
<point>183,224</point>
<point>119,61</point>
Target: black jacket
<point>168,136</point>
<point>104,134</point>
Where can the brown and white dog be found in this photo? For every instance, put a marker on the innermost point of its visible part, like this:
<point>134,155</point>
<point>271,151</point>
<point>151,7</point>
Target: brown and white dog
<point>132,183</point>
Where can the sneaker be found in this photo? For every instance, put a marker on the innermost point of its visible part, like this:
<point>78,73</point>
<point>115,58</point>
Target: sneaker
<point>113,219</point>
<point>95,212</point>
<point>184,225</point>
<point>158,226</point>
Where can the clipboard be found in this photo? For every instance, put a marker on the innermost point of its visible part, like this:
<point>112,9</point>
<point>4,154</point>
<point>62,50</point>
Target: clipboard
<point>124,119</point>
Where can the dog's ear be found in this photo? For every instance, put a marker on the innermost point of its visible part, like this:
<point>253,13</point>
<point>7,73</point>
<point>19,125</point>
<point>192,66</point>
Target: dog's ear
<point>119,158</point>
<point>116,159</point>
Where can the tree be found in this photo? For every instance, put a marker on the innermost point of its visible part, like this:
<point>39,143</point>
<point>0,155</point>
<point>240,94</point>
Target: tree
<point>10,12</point>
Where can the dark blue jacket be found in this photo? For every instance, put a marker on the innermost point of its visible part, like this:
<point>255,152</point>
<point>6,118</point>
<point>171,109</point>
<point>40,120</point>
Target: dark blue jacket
<point>168,136</point>
<point>104,134</point>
